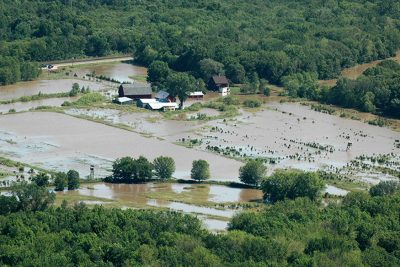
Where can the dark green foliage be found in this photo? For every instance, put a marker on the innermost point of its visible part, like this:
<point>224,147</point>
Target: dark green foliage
<point>60,181</point>
<point>158,73</point>
<point>377,90</point>
<point>129,170</point>
<point>384,188</point>
<point>74,90</point>
<point>292,184</point>
<point>200,170</point>
<point>252,172</point>
<point>362,232</point>
<point>41,179</point>
<point>252,103</point>
<point>272,38</point>
<point>32,197</point>
<point>73,180</point>
<point>164,167</point>
<point>180,84</point>
<point>300,232</point>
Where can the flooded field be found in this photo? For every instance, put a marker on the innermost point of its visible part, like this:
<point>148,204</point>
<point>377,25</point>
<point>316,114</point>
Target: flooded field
<point>122,72</point>
<point>214,204</point>
<point>285,135</point>
<point>60,142</point>
<point>25,106</point>
<point>46,87</point>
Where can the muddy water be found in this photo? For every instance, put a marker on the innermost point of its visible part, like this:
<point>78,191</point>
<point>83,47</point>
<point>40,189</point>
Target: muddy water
<point>60,142</point>
<point>287,133</point>
<point>117,71</point>
<point>136,195</point>
<point>45,86</point>
<point>24,106</point>
<point>291,130</point>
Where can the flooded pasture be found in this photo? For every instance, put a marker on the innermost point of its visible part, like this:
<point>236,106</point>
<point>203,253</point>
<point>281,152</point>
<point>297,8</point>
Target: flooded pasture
<point>212,203</point>
<point>122,72</point>
<point>60,142</point>
<point>286,135</point>
<point>25,106</point>
<point>46,87</point>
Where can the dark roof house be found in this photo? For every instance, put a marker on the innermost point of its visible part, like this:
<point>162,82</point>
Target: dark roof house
<point>134,91</point>
<point>217,82</point>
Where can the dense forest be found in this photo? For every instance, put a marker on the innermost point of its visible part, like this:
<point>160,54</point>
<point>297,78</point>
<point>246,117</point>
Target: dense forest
<point>361,231</point>
<point>269,39</point>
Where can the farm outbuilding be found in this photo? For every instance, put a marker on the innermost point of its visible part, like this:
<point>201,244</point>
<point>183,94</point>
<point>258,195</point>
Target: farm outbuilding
<point>162,106</point>
<point>196,95</point>
<point>135,91</point>
<point>124,100</point>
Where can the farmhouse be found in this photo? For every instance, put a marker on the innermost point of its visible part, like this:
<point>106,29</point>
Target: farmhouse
<point>134,91</point>
<point>163,96</point>
<point>217,82</point>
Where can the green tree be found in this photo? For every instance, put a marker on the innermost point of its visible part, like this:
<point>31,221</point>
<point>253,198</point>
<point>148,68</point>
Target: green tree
<point>41,179</point>
<point>252,172</point>
<point>142,169</point>
<point>384,188</point>
<point>74,90</point>
<point>200,170</point>
<point>32,197</point>
<point>164,167</point>
<point>60,181</point>
<point>158,73</point>
<point>123,169</point>
<point>180,85</point>
<point>73,180</point>
<point>209,67</point>
<point>292,184</point>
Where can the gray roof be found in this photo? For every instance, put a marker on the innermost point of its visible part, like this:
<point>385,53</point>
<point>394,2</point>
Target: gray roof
<point>162,95</point>
<point>136,89</point>
<point>220,80</point>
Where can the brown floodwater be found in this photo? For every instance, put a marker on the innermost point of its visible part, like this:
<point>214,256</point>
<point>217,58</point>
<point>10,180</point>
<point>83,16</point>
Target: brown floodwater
<point>136,195</point>
<point>25,106</point>
<point>118,71</point>
<point>61,142</point>
<point>46,87</point>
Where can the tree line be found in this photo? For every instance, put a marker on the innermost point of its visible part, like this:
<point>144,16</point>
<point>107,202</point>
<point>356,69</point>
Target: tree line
<point>362,230</point>
<point>377,90</point>
<point>241,39</point>
<point>282,184</point>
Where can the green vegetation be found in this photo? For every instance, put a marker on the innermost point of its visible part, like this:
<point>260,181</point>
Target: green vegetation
<point>42,179</point>
<point>200,170</point>
<point>266,39</point>
<point>60,181</point>
<point>164,167</point>
<point>73,181</point>
<point>88,99</point>
<point>360,231</point>
<point>291,184</point>
<point>376,91</point>
<point>252,172</point>
<point>129,170</point>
